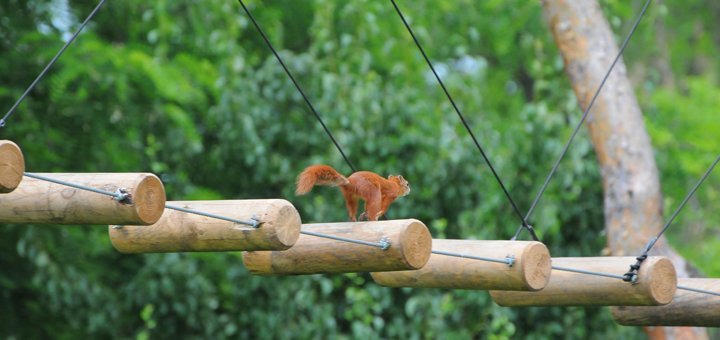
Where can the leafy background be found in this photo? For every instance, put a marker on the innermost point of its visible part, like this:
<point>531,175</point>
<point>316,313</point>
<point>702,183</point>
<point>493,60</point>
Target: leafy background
<point>189,91</point>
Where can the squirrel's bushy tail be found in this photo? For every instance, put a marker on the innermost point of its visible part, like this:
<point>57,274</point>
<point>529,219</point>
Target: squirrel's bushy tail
<point>318,175</point>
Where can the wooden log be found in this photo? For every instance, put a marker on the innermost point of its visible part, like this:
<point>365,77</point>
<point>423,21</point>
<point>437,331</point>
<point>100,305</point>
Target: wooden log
<point>410,245</point>
<point>530,270</point>
<point>686,309</point>
<point>12,166</point>
<point>41,202</point>
<point>178,231</point>
<point>655,286</point>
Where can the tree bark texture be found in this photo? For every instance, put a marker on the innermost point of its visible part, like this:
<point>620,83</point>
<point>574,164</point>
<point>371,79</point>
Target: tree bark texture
<point>633,201</point>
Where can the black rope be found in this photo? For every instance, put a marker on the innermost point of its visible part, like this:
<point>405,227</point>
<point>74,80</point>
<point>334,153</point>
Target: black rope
<point>297,85</point>
<point>12,110</point>
<point>631,276</point>
<point>584,116</point>
<point>467,126</point>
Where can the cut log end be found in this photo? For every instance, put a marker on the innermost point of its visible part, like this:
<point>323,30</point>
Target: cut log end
<point>285,220</point>
<point>663,280</point>
<point>536,266</point>
<point>12,166</point>
<point>149,199</point>
<point>416,240</point>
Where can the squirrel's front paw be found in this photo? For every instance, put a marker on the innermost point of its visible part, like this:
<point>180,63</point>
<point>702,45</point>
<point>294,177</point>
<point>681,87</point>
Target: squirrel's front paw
<point>363,216</point>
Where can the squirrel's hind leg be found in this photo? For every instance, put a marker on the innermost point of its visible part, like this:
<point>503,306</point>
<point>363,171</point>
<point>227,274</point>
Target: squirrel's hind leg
<point>351,203</point>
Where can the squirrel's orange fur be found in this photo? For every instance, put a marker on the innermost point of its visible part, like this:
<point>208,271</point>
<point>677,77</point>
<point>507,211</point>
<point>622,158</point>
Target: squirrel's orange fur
<point>376,191</point>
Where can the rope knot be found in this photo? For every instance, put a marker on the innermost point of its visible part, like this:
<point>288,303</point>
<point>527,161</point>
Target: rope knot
<point>632,275</point>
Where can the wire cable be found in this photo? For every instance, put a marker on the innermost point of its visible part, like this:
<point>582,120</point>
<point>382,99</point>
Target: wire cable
<point>297,85</point>
<point>253,222</point>
<point>122,196</point>
<point>634,268</point>
<point>682,205</point>
<point>697,290</point>
<point>119,195</point>
<point>587,272</point>
<point>12,110</point>
<point>465,123</point>
<point>510,261</point>
<point>384,243</point>
<point>584,116</point>
<point>622,277</point>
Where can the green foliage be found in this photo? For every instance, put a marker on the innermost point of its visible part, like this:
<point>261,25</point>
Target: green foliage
<point>188,90</point>
<point>684,125</point>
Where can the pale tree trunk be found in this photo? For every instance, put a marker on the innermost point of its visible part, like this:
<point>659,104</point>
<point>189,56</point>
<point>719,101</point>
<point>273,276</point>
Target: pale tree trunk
<point>633,202</point>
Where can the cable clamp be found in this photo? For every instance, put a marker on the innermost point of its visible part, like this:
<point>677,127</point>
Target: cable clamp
<point>529,228</point>
<point>255,220</point>
<point>253,223</point>
<point>384,243</point>
<point>2,123</point>
<point>123,196</point>
<point>532,231</point>
<point>510,260</point>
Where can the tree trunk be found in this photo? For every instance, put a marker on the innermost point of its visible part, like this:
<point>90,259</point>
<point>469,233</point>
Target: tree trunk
<point>633,202</point>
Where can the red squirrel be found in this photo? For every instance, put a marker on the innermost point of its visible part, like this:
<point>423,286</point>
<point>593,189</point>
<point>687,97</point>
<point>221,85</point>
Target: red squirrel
<point>376,191</point>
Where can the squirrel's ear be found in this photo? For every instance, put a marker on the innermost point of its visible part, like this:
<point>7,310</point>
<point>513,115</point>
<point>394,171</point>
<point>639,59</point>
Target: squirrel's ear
<point>401,177</point>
